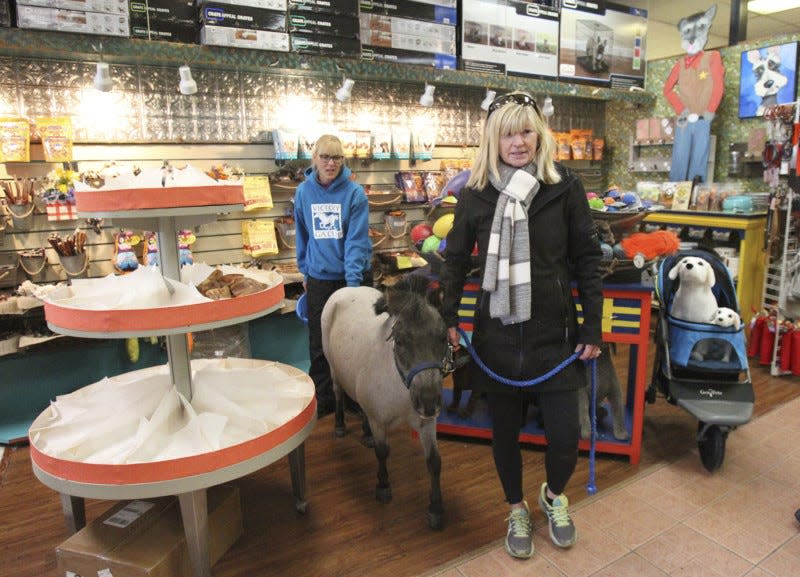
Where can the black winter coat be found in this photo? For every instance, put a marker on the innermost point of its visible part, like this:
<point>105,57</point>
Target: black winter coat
<point>565,249</point>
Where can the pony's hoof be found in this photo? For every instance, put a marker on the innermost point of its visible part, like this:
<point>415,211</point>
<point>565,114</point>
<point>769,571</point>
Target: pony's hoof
<point>464,413</point>
<point>368,441</point>
<point>301,506</point>
<point>435,520</point>
<point>339,432</point>
<point>383,494</point>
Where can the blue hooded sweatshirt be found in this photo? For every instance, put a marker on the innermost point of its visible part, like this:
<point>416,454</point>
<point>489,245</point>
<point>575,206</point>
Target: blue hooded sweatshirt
<point>332,229</point>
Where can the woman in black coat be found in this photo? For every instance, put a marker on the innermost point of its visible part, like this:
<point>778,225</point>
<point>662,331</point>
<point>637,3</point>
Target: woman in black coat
<point>535,238</point>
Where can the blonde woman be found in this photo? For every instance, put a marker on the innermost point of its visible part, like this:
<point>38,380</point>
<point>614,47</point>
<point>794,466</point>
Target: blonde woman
<point>333,249</point>
<point>535,237</point>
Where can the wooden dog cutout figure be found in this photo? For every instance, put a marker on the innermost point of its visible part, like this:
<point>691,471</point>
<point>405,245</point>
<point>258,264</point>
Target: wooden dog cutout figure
<point>694,301</point>
<point>608,388</point>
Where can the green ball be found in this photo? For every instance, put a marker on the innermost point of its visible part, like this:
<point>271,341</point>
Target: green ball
<point>431,243</point>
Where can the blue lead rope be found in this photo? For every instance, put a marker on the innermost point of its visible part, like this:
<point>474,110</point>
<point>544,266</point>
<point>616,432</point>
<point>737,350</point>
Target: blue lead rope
<point>591,487</point>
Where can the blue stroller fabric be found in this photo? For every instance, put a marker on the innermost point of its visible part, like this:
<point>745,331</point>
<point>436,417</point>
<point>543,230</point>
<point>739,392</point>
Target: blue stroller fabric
<point>702,346</point>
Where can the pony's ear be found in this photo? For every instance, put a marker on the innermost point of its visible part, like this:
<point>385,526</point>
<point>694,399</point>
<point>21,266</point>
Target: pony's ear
<point>380,305</point>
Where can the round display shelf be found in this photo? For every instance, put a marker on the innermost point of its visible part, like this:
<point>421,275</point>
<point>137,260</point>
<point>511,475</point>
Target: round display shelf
<point>176,475</point>
<point>166,320</point>
<point>167,201</point>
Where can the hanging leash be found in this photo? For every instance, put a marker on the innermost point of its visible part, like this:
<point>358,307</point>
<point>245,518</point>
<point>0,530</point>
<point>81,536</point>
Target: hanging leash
<point>591,487</point>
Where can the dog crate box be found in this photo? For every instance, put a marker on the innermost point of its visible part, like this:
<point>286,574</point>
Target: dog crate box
<point>404,41</point>
<point>401,56</point>
<point>347,7</point>
<point>244,38</point>
<point>242,17</point>
<point>326,45</point>
<point>107,6</point>
<point>408,27</point>
<point>267,4</point>
<point>186,32</point>
<point>5,13</point>
<point>145,538</point>
<point>144,11</point>
<point>328,24</point>
<point>54,19</point>
<point>416,10</point>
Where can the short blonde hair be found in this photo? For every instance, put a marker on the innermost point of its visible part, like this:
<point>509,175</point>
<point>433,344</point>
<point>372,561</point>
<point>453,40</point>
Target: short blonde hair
<point>509,119</point>
<point>328,144</point>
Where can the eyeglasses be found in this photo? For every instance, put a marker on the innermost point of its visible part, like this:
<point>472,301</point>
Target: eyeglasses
<point>326,158</point>
<point>521,99</point>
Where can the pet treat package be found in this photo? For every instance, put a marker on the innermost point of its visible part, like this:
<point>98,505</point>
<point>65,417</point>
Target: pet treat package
<point>285,144</point>
<point>401,143</point>
<point>363,140</point>
<point>424,141</point>
<point>257,192</point>
<point>306,142</point>
<point>348,138</point>
<point>381,143</point>
<point>56,135</point>
<point>258,237</point>
<point>15,140</point>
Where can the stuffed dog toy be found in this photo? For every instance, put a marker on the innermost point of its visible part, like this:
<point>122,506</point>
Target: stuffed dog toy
<point>769,78</point>
<point>725,317</point>
<point>608,387</point>
<point>693,301</point>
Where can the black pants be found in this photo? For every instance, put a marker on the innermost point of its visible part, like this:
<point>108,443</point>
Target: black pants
<point>317,294</point>
<point>559,410</point>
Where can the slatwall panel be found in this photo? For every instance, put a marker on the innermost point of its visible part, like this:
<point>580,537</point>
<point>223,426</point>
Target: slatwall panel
<point>217,242</point>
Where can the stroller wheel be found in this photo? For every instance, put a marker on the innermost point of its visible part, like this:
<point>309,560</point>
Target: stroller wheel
<point>711,444</point>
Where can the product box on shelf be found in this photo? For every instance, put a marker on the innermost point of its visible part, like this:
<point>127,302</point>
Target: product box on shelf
<point>416,10</point>
<point>171,20</point>
<point>5,13</point>
<point>108,6</point>
<point>244,38</point>
<point>349,7</point>
<point>145,538</point>
<point>404,41</point>
<point>326,45</point>
<point>41,18</point>
<point>268,4</point>
<point>245,17</point>
<point>330,24</point>
<point>408,27</point>
<point>401,56</point>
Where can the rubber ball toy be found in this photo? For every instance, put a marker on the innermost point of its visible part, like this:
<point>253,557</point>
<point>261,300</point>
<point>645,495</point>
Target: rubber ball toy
<point>596,203</point>
<point>629,198</point>
<point>591,195</point>
<point>442,246</point>
<point>420,232</point>
<point>431,244</point>
<point>443,225</point>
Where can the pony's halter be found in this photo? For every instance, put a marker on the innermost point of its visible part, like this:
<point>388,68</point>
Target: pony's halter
<point>446,366</point>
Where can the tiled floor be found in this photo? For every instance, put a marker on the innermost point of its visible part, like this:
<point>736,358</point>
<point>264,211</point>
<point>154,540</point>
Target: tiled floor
<point>678,520</point>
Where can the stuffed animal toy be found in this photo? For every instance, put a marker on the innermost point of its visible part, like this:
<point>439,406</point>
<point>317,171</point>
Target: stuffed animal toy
<point>124,257</point>
<point>699,79</point>
<point>185,239</point>
<point>725,317</point>
<point>150,256</point>
<point>693,301</point>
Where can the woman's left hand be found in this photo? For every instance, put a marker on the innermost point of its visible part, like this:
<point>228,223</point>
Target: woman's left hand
<point>588,352</point>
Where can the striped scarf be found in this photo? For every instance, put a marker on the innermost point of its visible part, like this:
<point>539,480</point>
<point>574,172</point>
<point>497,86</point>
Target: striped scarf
<point>507,273</point>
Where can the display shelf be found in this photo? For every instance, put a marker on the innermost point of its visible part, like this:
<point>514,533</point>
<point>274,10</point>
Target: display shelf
<point>749,228</point>
<point>168,210</point>
<point>626,319</point>
<point>639,163</point>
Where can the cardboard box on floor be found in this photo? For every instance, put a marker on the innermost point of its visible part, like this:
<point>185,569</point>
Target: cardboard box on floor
<point>145,538</point>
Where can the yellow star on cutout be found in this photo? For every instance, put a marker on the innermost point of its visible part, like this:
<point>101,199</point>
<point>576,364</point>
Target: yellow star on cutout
<point>703,75</point>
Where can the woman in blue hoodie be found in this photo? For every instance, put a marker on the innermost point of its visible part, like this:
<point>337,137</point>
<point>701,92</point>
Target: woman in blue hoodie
<point>331,216</point>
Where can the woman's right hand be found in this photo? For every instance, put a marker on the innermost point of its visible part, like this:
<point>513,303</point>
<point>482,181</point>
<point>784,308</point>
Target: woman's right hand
<point>453,338</point>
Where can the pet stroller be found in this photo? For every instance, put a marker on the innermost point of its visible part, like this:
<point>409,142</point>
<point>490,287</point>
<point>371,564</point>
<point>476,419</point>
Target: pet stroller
<point>702,367</point>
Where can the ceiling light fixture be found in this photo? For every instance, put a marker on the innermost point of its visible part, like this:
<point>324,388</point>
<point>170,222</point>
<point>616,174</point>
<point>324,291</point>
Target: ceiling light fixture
<point>345,92</point>
<point>102,78</point>
<point>188,85</point>
<point>772,6</point>
<point>426,99</point>
<point>490,95</point>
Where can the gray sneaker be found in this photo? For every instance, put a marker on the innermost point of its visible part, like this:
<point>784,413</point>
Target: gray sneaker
<point>519,541</point>
<point>562,530</point>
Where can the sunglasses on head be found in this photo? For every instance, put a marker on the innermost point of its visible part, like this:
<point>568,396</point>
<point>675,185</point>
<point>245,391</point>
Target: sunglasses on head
<point>521,99</point>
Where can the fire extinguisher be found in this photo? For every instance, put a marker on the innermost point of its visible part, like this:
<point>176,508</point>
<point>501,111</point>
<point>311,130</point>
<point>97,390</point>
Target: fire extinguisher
<point>767,343</point>
<point>757,326</point>
<point>786,346</point>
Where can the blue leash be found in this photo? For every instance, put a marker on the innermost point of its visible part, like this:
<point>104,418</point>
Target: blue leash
<point>591,487</point>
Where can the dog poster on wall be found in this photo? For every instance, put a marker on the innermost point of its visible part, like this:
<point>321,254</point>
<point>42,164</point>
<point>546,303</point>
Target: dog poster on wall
<point>768,77</point>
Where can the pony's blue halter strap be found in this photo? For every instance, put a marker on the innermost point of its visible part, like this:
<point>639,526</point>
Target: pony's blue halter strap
<point>591,488</point>
<point>416,369</point>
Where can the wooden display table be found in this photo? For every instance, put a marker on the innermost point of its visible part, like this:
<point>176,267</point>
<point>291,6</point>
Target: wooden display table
<point>626,319</point>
